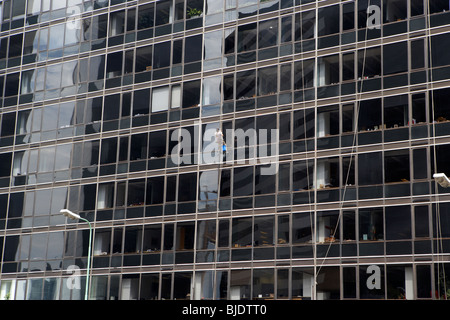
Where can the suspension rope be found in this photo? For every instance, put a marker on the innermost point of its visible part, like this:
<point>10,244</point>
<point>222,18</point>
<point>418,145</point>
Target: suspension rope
<point>355,128</point>
<point>433,122</point>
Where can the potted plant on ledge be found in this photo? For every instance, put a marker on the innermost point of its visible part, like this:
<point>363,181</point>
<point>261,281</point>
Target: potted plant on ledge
<point>194,13</point>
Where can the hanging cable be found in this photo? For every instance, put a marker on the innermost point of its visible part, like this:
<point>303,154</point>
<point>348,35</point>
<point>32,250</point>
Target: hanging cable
<point>438,220</point>
<point>355,128</point>
<point>221,152</point>
<point>312,206</point>
<point>433,121</point>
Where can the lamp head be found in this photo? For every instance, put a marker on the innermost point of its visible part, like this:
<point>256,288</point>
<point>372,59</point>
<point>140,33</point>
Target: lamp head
<point>69,214</point>
<point>442,179</point>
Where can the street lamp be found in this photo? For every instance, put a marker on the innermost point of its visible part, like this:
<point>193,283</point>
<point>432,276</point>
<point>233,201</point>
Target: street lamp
<point>442,179</point>
<point>73,216</point>
<point>444,182</point>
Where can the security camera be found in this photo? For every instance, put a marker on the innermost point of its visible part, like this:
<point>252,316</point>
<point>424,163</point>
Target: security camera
<point>442,179</point>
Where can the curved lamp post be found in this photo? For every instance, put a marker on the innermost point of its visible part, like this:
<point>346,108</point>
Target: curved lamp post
<point>73,216</point>
<point>444,182</point>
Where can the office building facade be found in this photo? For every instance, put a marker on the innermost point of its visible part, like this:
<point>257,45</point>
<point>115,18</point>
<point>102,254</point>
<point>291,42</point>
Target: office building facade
<point>110,109</point>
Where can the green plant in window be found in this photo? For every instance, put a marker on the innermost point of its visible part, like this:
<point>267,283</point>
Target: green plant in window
<point>194,12</point>
<point>8,296</point>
